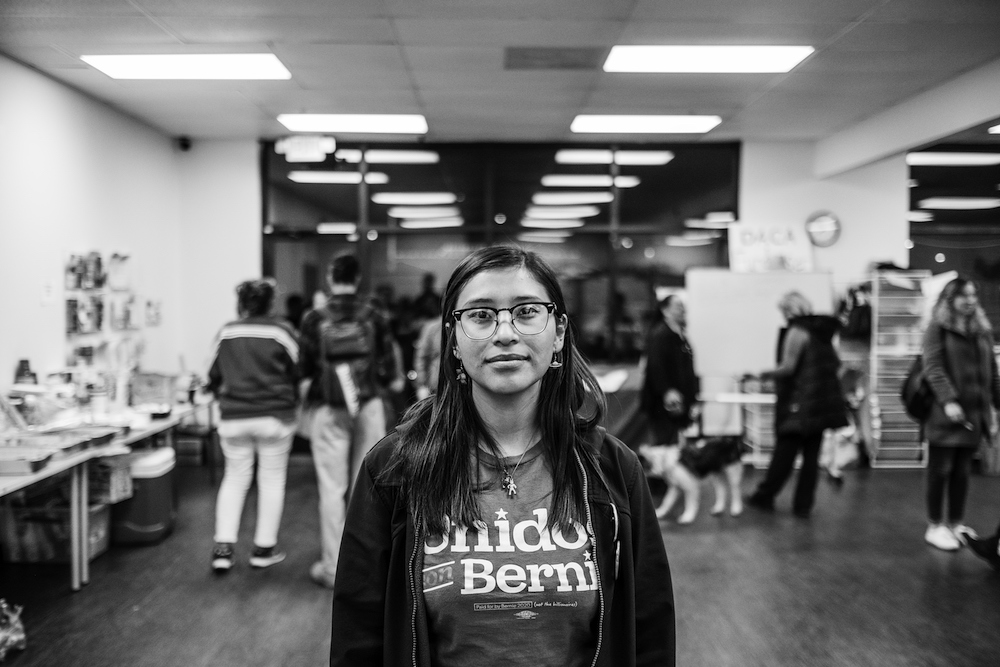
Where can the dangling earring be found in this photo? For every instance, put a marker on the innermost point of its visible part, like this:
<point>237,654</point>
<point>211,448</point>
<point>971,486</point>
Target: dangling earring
<point>556,360</point>
<point>460,374</point>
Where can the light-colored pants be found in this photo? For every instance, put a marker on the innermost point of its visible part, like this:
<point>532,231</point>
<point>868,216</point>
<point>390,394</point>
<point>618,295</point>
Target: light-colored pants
<point>270,440</point>
<point>339,444</point>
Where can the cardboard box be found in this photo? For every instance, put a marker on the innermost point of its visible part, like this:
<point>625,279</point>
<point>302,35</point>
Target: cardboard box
<point>42,534</point>
<point>110,480</point>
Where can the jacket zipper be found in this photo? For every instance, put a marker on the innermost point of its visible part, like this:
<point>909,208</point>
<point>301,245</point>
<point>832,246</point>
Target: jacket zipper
<point>597,565</point>
<point>413,591</point>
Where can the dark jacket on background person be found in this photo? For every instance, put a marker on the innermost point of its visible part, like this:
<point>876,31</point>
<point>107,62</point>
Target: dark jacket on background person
<point>374,370</point>
<point>381,619</point>
<point>810,398</point>
<point>959,367</point>
<point>669,365</point>
<point>254,369</point>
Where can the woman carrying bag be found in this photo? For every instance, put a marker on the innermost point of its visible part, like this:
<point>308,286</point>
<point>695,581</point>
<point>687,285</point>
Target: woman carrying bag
<point>961,370</point>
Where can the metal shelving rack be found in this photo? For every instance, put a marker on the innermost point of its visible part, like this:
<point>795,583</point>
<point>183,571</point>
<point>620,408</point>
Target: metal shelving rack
<point>897,334</point>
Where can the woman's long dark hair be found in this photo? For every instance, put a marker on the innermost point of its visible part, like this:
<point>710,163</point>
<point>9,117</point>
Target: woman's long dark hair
<point>438,453</point>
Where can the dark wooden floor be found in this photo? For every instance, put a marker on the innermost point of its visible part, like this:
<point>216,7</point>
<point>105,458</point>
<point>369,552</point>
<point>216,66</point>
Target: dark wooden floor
<point>853,586</point>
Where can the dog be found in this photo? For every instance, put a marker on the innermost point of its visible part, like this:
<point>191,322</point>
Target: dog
<point>683,467</point>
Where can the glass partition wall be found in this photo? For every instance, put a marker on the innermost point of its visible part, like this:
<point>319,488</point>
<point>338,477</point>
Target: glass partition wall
<point>616,221</point>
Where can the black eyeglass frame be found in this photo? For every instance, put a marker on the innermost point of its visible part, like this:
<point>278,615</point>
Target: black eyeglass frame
<point>550,308</point>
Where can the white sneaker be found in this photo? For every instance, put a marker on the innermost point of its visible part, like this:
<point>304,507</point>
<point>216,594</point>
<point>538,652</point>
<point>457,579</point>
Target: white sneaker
<point>940,536</point>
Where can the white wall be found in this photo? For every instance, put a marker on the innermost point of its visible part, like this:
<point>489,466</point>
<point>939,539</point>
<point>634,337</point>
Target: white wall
<point>778,186</point>
<point>220,237</point>
<point>77,176</point>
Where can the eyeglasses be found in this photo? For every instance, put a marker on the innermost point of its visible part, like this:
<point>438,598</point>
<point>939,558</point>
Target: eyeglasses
<point>480,323</point>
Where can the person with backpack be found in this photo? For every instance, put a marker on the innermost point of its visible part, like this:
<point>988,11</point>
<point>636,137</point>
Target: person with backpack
<point>959,367</point>
<point>349,354</point>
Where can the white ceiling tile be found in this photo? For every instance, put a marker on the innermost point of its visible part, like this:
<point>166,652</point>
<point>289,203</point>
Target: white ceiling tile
<point>757,11</point>
<point>287,29</point>
<point>491,10</point>
<point>90,31</point>
<point>264,8</point>
<point>719,32</point>
<point>57,8</point>
<point>508,32</point>
<point>952,11</point>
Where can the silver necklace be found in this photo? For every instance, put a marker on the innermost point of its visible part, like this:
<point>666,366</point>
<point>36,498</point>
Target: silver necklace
<point>507,483</point>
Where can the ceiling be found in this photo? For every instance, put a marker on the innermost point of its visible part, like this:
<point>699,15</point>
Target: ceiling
<point>511,71</point>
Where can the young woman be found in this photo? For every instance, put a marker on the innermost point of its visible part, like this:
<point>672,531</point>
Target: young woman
<point>962,372</point>
<point>499,525</point>
<point>253,374</point>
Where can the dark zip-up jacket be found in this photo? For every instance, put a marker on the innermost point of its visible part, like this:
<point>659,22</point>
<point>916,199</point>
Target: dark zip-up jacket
<point>379,616</point>
<point>809,395</point>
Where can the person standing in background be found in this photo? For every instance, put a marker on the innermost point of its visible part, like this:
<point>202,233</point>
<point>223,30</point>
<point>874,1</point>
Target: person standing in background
<point>254,376</point>
<point>427,358</point>
<point>809,401</point>
<point>670,386</point>
<point>962,373</point>
<point>346,346</point>
<point>427,304</point>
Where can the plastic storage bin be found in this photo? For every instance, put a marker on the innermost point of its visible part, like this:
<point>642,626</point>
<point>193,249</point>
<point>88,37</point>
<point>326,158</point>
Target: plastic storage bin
<point>149,515</point>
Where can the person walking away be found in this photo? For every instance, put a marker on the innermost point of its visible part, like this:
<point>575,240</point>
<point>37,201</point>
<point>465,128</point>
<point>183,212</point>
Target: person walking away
<point>501,502</point>
<point>670,386</point>
<point>961,370</point>
<point>344,344</point>
<point>254,374</point>
<point>809,400</point>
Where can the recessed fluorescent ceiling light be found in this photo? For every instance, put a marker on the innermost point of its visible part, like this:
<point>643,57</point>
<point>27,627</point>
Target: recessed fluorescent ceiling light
<point>423,212</point>
<point>383,156</point>
<point>705,58</point>
<point>596,156</point>
<point>960,203</point>
<point>561,212</point>
<point>338,177</point>
<point>994,130</point>
<point>543,237</point>
<point>551,224</point>
<point>414,198</point>
<point>682,242</point>
<point>571,198</point>
<point>588,181</point>
<point>355,123</point>
<point>919,216</point>
<point>336,228</point>
<point>700,223</point>
<point>190,66</point>
<point>648,124</point>
<point>701,235</point>
<point>720,216</point>
<point>431,223</point>
<point>932,159</point>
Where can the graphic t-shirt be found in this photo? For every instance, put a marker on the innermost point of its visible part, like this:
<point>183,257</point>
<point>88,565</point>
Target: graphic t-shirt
<point>517,591</point>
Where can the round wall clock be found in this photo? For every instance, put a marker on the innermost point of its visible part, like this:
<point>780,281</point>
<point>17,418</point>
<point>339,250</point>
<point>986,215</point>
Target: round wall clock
<point>823,229</point>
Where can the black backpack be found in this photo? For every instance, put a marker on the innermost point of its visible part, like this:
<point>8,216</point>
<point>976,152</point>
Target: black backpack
<point>916,394</point>
<point>348,345</point>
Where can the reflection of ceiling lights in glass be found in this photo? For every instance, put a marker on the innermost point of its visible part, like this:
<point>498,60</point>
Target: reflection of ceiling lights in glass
<point>544,237</point>
<point>551,224</point>
<point>561,212</point>
<point>712,220</point>
<point>702,235</point>
<point>411,212</point>
<point>431,223</point>
<point>919,216</point>
<point>642,124</point>
<point>338,177</point>
<point>414,198</point>
<point>932,159</point>
<point>588,181</point>
<point>596,156</point>
<point>336,228</point>
<point>571,198</point>
<point>385,156</point>
<point>960,203</point>
<point>215,66</point>
<point>354,123</point>
<point>705,58</point>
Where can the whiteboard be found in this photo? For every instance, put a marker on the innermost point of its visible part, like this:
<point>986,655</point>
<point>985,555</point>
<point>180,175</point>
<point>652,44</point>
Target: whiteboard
<point>732,324</point>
